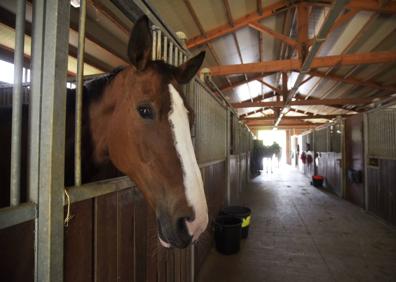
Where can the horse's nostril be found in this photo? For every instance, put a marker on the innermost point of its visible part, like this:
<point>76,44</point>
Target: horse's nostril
<point>181,224</point>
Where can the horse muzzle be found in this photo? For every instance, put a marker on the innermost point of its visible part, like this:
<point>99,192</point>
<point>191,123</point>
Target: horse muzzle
<point>174,233</point>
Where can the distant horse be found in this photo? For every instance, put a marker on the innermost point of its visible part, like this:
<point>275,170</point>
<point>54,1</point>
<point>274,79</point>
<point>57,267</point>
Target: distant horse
<point>268,153</point>
<point>135,121</point>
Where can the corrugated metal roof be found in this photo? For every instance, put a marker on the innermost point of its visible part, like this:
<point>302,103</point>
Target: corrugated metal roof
<point>365,31</point>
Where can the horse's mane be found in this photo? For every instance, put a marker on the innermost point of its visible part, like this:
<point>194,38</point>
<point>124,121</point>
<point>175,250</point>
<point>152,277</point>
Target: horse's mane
<point>94,87</point>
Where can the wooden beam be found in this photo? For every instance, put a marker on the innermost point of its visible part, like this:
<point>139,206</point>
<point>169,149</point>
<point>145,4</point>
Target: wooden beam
<point>272,117</point>
<point>310,102</point>
<point>301,127</point>
<point>230,87</point>
<point>302,29</point>
<point>302,22</point>
<point>273,33</point>
<point>239,23</point>
<point>260,35</point>
<point>201,30</point>
<point>365,5</point>
<point>372,5</point>
<point>343,19</point>
<point>294,64</point>
<point>290,123</point>
<point>339,22</point>
<point>279,91</point>
<point>231,23</point>
<point>260,98</point>
<point>352,80</point>
<point>110,16</point>
<point>251,113</point>
<point>306,80</point>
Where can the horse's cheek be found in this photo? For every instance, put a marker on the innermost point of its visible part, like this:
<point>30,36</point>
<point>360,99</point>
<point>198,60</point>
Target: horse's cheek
<point>119,150</point>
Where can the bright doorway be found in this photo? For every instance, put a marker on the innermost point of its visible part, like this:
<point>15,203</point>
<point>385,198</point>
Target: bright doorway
<point>270,136</point>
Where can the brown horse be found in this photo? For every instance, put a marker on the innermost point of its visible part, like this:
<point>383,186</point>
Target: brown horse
<point>135,119</point>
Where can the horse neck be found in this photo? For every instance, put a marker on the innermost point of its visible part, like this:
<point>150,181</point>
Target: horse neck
<point>99,114</point>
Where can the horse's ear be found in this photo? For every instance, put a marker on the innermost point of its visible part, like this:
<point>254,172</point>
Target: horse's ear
<point>140,44</point>
<point>186,71</point>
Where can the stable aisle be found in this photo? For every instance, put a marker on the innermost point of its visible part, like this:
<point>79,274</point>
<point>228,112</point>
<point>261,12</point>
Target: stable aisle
<point>301,233</point>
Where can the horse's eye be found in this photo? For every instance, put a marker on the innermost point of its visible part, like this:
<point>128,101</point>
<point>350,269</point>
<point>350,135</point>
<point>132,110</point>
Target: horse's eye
<point>146,112</point>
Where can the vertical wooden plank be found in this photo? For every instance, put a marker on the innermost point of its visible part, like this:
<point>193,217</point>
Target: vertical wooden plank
<point>392,192</point>
<point>106,238</point>
<point>161,263</point>
<point>373,187</point>
<point>125,236</point>
<point>170,266</point>
<point>187,275</point>
<point>78,244</point>
<point>140,238</point>
<point>17,253</point>
<point>177,265</point>
<point>152,246</point>
<point>182,265</point>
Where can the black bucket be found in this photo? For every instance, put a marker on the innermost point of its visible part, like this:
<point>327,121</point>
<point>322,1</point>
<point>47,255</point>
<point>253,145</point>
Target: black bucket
<point>243,213</point>
<point>227,234</point>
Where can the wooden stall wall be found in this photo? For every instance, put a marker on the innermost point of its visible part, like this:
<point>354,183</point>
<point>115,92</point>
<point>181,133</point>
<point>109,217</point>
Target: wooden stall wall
<point>329,165</point>
<point>234,179</point>
<point>381,189</point>
<point>214,177</point>
<point>354,154</point>
<point>114,238</point>
<point>243,179</point>
<point>17,242</point>
<point>120,241</point>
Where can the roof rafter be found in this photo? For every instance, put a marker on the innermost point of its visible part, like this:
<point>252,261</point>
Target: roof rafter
<point>230,87</point>
<point>309,102</point>
<point>358,5</point>
<point>273,33</point>
<point>260,35</point>
<point>201,29</point>
<point>239,23</point>
<point>279,91</point>
<point>295,64</point>
<point>261,97</point>
<point>352,80</point>
<point>272,117</point>
<point>285,123</point>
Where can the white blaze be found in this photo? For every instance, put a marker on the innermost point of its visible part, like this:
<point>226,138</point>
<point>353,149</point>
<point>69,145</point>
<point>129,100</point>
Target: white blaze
<point>192,179</point>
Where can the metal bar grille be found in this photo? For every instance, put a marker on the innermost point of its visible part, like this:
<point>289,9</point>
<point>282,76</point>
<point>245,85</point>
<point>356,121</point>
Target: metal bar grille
<point>79,92</point>
<point>17,105</point>
<point>210,124</point>
<point>320,136</point>
<point>382,134</point>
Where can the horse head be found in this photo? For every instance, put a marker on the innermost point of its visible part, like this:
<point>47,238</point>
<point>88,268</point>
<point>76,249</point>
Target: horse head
<point>147,137</point>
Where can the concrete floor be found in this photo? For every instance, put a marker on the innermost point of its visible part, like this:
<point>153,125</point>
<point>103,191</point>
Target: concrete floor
<point>300,233</point>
